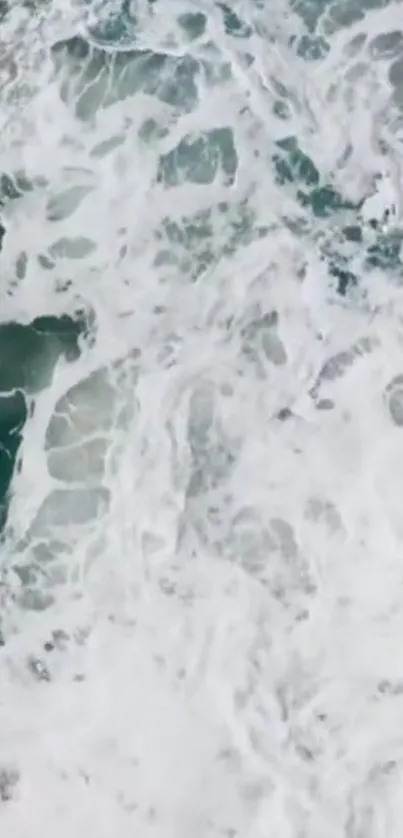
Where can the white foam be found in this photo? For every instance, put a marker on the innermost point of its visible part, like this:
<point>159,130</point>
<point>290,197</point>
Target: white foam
<point>225,626</point>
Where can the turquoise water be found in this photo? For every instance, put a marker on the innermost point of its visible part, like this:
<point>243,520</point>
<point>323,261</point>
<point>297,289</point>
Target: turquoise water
<point>201,396</point>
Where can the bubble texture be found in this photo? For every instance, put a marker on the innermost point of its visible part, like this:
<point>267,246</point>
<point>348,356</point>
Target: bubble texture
<point>201,588</point>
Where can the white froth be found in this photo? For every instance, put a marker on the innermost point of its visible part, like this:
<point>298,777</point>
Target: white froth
<point>220,557</point>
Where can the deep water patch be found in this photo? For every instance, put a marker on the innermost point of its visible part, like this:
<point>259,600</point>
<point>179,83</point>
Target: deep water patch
<point>28,356</point>
<point>345,232</point>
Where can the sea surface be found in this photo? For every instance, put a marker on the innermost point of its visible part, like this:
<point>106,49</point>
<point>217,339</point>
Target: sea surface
<point>201,419</point>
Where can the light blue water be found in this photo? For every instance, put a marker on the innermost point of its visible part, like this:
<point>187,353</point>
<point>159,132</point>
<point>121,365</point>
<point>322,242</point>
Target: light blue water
<point>201,409</point>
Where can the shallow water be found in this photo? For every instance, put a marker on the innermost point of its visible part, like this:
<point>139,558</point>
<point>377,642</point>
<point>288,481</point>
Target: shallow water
<point>201,412</point>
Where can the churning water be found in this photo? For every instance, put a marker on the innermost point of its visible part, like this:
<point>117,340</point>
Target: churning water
<point>201,419</point>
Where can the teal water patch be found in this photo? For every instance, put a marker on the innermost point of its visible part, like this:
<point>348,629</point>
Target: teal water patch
<point>335,15</point>
<point>343,232</point>
<point>28,356</point>
<point>15,186</point>
<point>196,242</point>
<point>193,24</point>
<point>13,415</point>
<point>233,25</point>
<point>312,47</point>
<point>94,78</point>
<point>200,159</point>
<point>12,188</point>
<point>119,26</point>
<point>386,252</point>
<point>325,201</point>
<point>293,166</point>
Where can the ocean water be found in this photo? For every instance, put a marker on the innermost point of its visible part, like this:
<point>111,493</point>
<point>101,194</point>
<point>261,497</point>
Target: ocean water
<point>201,419</point>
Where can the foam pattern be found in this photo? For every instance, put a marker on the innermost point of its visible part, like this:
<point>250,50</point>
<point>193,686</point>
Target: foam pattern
<point>201,580</point>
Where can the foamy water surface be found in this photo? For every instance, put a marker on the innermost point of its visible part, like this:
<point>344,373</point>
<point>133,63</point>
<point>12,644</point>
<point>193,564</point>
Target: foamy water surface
<point>202,568</point>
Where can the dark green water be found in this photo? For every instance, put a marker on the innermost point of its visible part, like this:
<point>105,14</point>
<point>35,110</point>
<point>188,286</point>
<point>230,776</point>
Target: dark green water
<point>28,356</point>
